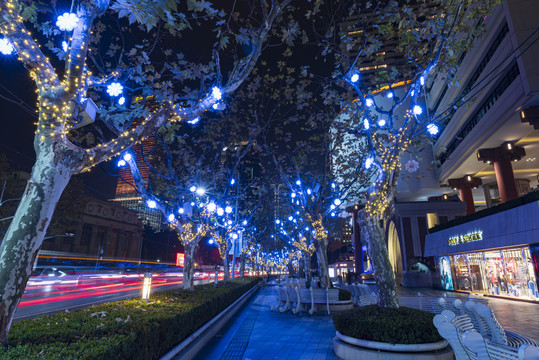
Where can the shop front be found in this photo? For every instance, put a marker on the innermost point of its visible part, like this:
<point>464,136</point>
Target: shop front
<point>495,255</point>
<point>505,272</point>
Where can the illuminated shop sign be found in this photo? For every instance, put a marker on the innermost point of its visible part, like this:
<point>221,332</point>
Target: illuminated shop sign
<point>461,239</point>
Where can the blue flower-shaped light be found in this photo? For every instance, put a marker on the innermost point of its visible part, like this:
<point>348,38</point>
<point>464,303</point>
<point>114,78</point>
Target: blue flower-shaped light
<point>151,204</point>
<point>354,78</point>
<point>432,129</point>
<point>65,46</point>
<point>417,110</point>
<point>67,21</point>
<point>216,93</point>
<point>115,89</point>
<point>5,47</point>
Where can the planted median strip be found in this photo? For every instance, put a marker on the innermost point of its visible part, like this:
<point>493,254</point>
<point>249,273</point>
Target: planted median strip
<point>127,329</point>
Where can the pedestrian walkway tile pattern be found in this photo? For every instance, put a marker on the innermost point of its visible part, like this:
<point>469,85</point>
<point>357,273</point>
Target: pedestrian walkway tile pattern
<point>263,334</point>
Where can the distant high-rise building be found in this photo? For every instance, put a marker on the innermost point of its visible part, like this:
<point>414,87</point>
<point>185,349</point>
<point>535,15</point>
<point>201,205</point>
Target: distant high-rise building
<point>375,68</point>
<point>126,194</point>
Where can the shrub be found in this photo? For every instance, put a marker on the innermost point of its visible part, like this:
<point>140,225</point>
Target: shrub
<point>395,326</point>
<point>126,329</point>
<point>344,295</point>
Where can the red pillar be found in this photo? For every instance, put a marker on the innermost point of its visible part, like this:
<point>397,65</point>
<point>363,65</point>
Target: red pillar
<point>467,196</point>
<point>501,158</point>
<point>505,179</point>
<point>465,185</point>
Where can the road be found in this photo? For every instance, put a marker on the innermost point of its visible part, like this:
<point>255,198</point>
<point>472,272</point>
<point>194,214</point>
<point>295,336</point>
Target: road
<point>47,297</point>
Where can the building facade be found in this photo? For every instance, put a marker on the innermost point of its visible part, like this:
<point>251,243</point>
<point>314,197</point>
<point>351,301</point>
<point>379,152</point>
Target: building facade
<point>105,230</point>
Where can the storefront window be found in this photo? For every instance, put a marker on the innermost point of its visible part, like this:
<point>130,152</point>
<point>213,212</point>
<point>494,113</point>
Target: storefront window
<point>477,272</point>
<point>495,270</point>
<point>444,267</point>
<point>463,279</point>
<point>508,272</point>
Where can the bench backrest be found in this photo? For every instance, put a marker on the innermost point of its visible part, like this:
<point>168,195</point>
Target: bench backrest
<point>495,330</point>
<point>333,295</point>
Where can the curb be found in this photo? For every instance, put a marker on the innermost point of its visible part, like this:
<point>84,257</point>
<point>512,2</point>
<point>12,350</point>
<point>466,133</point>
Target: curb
<point>188,348</point>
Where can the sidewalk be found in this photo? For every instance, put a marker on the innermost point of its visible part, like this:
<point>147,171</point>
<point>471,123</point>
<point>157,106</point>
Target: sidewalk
<point>520,317</point>
<point>257,333</point>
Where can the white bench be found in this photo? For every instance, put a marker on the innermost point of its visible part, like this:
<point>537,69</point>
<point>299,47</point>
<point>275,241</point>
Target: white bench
<point>469,344</point>
<point>315,297</point>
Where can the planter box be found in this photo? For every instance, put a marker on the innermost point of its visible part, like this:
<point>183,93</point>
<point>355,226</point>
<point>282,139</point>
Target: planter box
<point>341,306</point>
<point>348,348</point>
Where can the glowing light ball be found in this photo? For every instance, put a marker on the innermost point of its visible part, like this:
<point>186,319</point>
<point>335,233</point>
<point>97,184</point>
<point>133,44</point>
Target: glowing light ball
<point>354,78</point>
<point>5,47</point>
<point>115,89</point>
<point>67,21</point>
<point>432,129</point>
<point>216,93</point>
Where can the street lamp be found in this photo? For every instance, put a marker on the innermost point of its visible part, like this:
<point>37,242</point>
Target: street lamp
<point>146,286</point>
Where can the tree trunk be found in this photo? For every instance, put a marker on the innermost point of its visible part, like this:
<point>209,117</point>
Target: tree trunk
<point>242,265</point>
<point>377,250</point>
<point>323,266</point>
<point>24,236</point>
<point>189,268</point>
<point>301,268</point>
<point>290,269</point>
<point>308,274</point>
<point>225,268</point>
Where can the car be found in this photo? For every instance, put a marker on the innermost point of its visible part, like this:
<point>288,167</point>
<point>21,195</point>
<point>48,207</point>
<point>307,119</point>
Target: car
<point>53,275</point>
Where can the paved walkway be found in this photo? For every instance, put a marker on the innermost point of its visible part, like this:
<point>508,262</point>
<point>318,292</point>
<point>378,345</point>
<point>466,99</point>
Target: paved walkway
<point>520,317</point>
<point>257,333</point>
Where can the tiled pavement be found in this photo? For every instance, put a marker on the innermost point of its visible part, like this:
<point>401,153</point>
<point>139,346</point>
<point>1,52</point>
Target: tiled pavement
<point>273,335</point>
<point>257,333</point>
<point>517,316</point>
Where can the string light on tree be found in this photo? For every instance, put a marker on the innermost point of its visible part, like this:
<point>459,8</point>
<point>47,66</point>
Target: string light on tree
<point>369,102</point>
<point>194,121</point>
<point>369,162</point>
<point>67,21</point>
<point>232,181</point>
<point>220,211</point>
<point>121,101</point>
<point>65,46</point>
<point>171,217</point>
<point>366,124</point>
<point>432,129</point>
<point>115,89</point>
<point>216,93</point>
<point>381,122</point>
<point>228,209</point>
<point>5,47</point>
<point>200,191</point>
<point>193,188</point>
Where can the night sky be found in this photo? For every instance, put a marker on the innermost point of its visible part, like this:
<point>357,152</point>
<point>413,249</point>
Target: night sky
<point>16,136</point>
